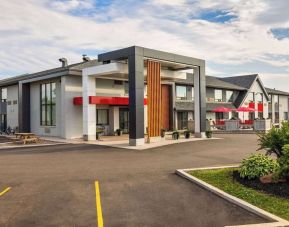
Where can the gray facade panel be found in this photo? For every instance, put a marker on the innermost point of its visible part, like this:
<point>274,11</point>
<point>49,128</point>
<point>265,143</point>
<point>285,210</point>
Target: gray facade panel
<point>24,107</point>
<point>3,107</point>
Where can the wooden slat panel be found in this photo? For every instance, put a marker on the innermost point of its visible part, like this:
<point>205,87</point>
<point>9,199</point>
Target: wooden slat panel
<point>154,98</point>
<point>165,111</point>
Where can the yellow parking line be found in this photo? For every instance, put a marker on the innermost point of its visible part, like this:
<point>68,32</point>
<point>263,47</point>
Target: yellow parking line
<point>98,205</point>
<point>5,190</point>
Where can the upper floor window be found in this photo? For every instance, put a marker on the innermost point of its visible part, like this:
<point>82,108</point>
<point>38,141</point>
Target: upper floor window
<point>47,104</point>
<point>229,96</point>
<point>4,94</point>
<point>270,99</point>
<point>218,95</point>
<point>251,97</point>
<point>126,88</point>
<point>276,99</point>
<point>259,97</point>
<point>181,92</point>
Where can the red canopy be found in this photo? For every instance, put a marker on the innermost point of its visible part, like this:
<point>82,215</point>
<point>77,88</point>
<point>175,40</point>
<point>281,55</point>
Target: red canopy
<point>222,109</point>
<point>245,109</point>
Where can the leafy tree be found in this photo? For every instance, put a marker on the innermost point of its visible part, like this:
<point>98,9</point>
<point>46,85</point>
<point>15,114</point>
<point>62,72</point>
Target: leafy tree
<point>274,140</point>
<point>284,163</point>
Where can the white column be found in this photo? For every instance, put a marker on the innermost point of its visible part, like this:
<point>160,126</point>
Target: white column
<point>89,111</point>
<point>113,119</point>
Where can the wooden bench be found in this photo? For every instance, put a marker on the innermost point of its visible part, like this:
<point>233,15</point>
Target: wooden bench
<point>27,137</point>
<point>33,139</point>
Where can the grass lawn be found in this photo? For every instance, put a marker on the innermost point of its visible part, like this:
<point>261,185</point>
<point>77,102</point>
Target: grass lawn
<point>222,179</point>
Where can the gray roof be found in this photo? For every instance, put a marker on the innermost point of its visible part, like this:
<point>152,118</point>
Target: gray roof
<point>213,82</point>
<point>216,82</point>
<point>276,92</point>
<point>59,71</point>
<point>244,81</point>
<point>189,106</point>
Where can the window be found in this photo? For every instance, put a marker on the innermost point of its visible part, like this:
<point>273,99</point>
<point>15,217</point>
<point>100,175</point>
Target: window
<point>126,88</point>
<point>182,120</point>
<point>4,94</point>
<point>193,93</point>
<point>251,97</point>
<point>276,105</point>
<point>218,95</point>
<point>48,104</point>
<point>259,97</point>
<point>102,116</point>
<point>181,92</point>
<point>286,116</point>
<point>229,96</point>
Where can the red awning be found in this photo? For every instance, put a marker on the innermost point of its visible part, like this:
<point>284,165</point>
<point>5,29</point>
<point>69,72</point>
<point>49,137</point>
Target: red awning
<point>245,109</point>
<point>104,100</point>
<point>222,109</point>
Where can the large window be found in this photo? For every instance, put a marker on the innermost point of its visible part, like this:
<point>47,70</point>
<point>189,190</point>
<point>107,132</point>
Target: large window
<point>4,94</point>
<point>259,97</point>
<point>251,97</point>
<point>229,96</point>
<point>48,104</point>
<point>218,95</point>
<point>182,120</point>
<point>181,92</point>
<point>102,116</point>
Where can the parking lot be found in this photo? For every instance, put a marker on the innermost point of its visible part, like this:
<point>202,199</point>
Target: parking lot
<point>55,185</point>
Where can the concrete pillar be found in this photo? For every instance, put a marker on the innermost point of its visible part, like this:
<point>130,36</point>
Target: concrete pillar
<point>89,111</point>
<point>136,99</point>
<point>200,101</point>
<point>113,119</point>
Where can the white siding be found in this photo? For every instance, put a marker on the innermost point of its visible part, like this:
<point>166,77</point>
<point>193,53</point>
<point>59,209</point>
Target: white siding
<point>71,115</point>
<point>256,88</point>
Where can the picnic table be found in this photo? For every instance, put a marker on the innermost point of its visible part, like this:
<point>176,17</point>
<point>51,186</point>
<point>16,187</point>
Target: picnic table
<point>27,137</point>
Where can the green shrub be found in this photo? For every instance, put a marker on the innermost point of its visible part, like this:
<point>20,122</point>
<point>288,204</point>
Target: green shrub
<point>257,165</point>
<point>274,140</point>
<point>283,161</point>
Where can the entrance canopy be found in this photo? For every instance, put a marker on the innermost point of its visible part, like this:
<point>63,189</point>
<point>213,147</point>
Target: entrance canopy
<point>137,64</point>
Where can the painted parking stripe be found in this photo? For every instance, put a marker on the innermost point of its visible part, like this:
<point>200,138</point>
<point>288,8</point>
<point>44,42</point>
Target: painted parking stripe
<point>4,191</point>
<point>98,205</point>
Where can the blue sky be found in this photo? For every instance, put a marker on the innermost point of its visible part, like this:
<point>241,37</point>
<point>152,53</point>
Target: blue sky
<point>234,37</point>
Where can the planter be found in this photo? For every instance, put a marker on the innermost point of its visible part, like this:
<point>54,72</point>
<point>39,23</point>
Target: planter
<point>262,125</point>
<point>176,135</point>
<point>209,134</point>
<point>119,132</point>
<point>98,136</point>
<point>163,133</point>
<point>187,134</point>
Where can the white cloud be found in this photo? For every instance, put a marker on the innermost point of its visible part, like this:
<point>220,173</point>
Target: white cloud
<point>65,6</point>
<point>40,32</point>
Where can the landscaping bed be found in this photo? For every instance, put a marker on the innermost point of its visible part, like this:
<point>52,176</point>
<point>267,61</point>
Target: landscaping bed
<point>280,189</point>
<point>224,179</point>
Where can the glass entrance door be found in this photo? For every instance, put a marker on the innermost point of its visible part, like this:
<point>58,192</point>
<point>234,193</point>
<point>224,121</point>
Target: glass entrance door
<point>124,119</point>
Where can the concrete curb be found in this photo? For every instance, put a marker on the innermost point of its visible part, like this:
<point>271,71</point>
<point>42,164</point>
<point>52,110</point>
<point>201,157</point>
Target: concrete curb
<point>27,146</point>
<point>276,221</point>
